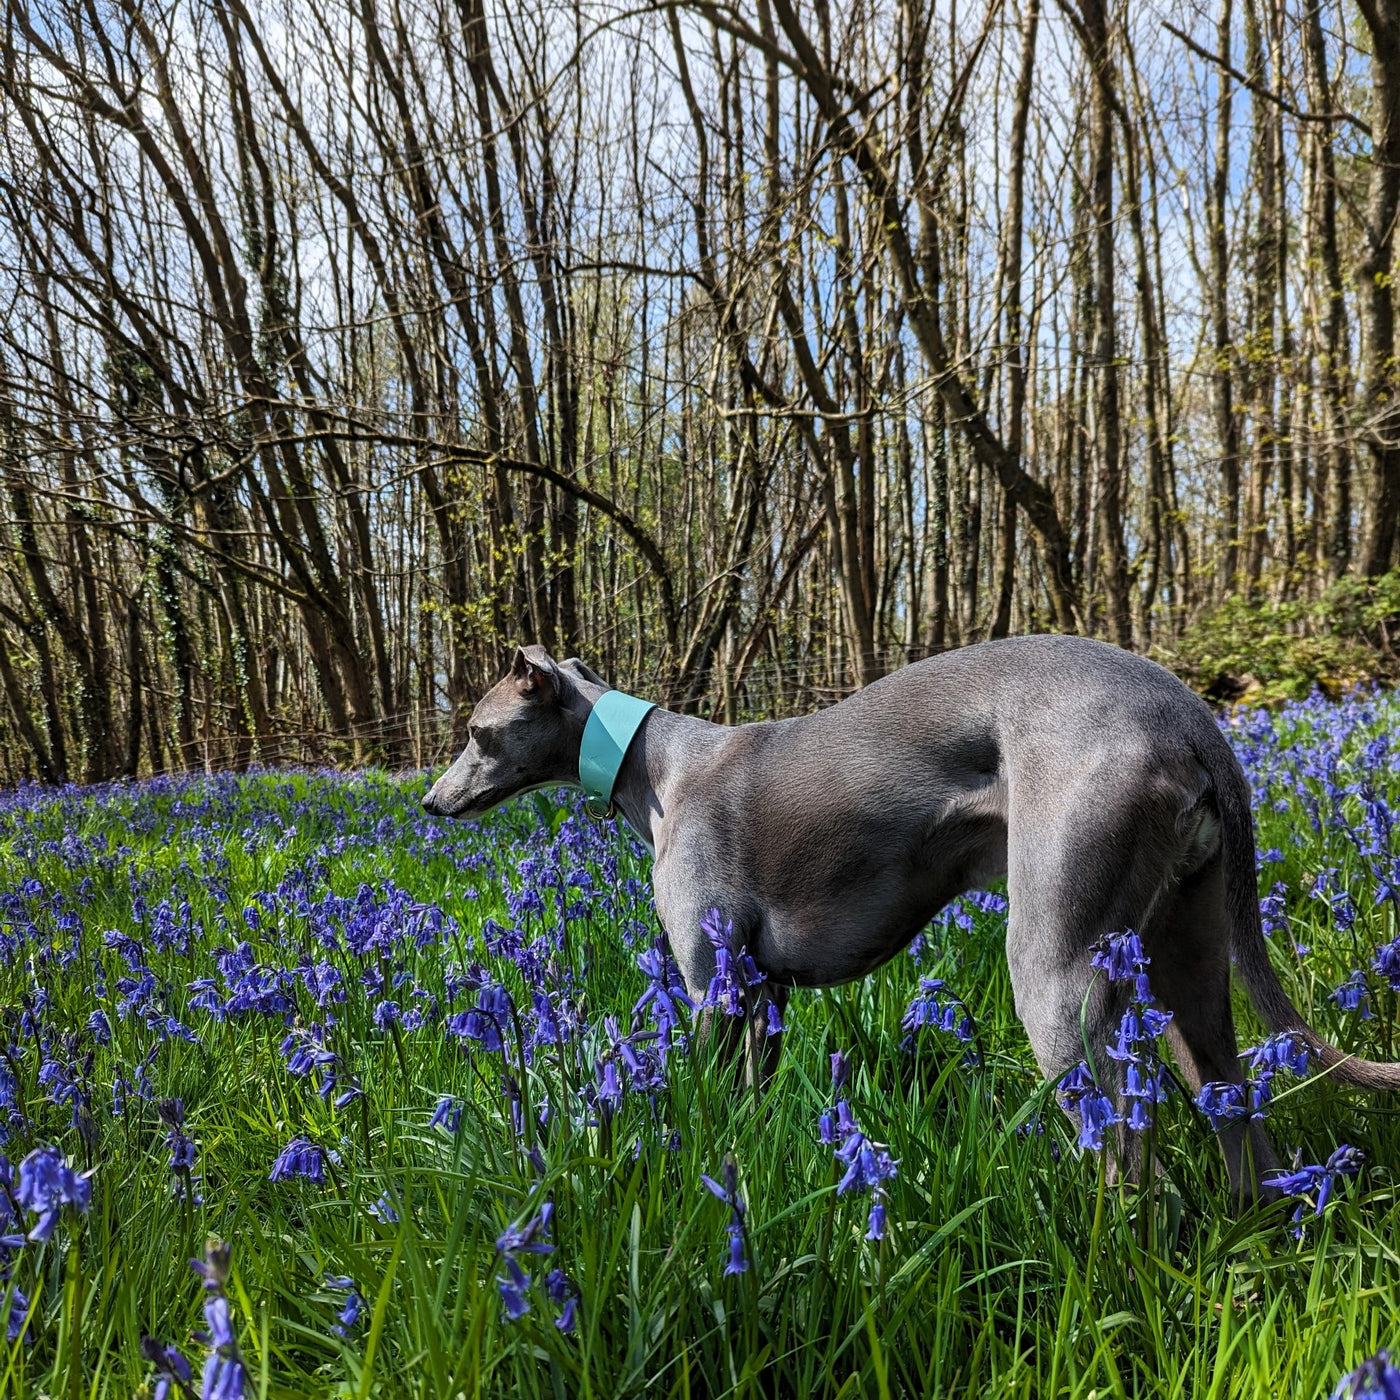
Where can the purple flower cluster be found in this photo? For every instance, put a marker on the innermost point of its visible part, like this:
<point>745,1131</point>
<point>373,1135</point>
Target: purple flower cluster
<point>1315,1182</point>
<point>728,1192</point>
<point>936,1007</point>
<point>1144,1082</point>
<point>1224,1101</point>
<point>1353,995</point>
<point>300,1158</point>
<point>1387,963</point>
<point>354,1304</point>
<point>225,1376</point>
<point>1084,1099</point>
<point>183,1150</point>
<point>634,1062</point>
<point>365,991</point>
<point>1122,957</point>
<point>532,1237</point>
<point>664,1000</point>
<point>865,1166</point>
<point>46,1185</point>
<point>1375,1379</point>
<point>735,974</point>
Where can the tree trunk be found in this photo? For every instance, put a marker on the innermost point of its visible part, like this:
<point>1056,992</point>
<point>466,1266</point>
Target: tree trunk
<point>1227,428</point>
<point>1375,277</point>
<point>1114,560</point>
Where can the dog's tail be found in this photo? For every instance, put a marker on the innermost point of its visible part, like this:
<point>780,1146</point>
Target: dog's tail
<point>1247,932</point>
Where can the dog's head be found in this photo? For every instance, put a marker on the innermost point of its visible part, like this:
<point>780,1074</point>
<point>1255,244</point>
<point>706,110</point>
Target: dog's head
<point>524,733</point>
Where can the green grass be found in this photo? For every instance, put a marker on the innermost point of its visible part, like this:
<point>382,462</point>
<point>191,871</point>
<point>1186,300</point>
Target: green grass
<point>1010,1268</point>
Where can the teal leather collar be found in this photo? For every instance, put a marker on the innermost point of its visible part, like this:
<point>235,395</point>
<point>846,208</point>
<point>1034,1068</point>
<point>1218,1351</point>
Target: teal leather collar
<point>613,724</point>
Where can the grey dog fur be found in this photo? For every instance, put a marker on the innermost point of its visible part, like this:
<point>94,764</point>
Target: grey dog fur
<point>1092,779</point>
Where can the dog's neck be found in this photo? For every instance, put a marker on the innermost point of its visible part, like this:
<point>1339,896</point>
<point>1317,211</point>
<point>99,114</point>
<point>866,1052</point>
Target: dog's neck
<point>654,768</point>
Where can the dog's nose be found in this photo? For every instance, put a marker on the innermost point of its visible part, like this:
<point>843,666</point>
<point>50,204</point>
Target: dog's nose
<point>430,802</point>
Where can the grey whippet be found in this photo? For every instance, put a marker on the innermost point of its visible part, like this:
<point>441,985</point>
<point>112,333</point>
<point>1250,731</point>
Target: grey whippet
<point>1092,779</point>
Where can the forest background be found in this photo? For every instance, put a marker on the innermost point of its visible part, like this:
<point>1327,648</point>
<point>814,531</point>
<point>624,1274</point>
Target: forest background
<point>749,350</point>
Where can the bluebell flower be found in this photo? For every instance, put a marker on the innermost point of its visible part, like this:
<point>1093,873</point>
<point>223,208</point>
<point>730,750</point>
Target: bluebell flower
<point>837,1124</point>
<point>19,1310</point>
<point>1139,1025</point>
<point>12,1234</point>
<point>323,981</point>
<point>735,969</point>
<point>1317,1181</point>
<point>866,1166</point>
<point>1387,963</point>
<point>1353,995</point>
<point>183,1150</point>
<point>1122,957</point>
<point>936,1007</point>
<point>219,1321</point>
<point>840,1070</point>
<point>987,901</point>
<point>773,1019</point>
<point>1375,1379</point>
<point>875,1224</point>
<point>512,1289</point>
<point>664,998</point>
<point>1079,1090</point>
<point>1284,1050</point>
<point>564,1297</point>
<point>223,1379</point>
<point>1223,1102</point>
<point>532,1237</point>
<point>487,1021</point>
<point>553,1020</point>
<point>354,1304</point>
<point>305,1050</point>
<point>1327,887</point>
<point>1273,910</point>
<point>207,998</point>
<point>641,1054</point>
<point>300,1158</point>
<point>447,1114</point>
<point>62,1082</point>
<point>173,1374</point>
<point>728,1192</point>
<point>607,1085</point>
<point>46,1184</point>
<point>1145,1083</point>
<point>224,1376</point>
<point>383,1210</point>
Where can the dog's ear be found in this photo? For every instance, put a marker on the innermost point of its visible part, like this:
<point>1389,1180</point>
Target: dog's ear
<point>535,674</point>
<point>579,669</point>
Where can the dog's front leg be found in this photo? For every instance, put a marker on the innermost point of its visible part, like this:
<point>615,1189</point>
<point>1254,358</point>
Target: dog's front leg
<point>750,1044</point>
<point>740,1016</point>
<point>766,1029</point>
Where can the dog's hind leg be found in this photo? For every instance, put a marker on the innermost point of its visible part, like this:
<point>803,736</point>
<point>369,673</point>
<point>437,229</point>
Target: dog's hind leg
<point>1087,859</point>
<point>1071,1013</point>
<point>1189,944</point>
